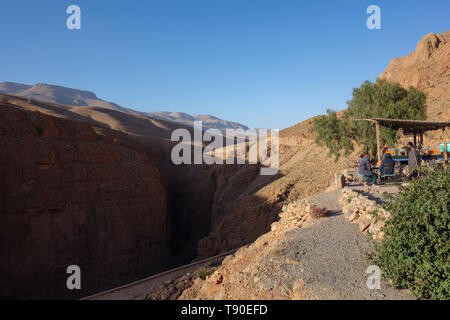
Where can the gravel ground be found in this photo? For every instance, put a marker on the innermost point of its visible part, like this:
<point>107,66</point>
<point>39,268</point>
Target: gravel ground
<point>330,257</point>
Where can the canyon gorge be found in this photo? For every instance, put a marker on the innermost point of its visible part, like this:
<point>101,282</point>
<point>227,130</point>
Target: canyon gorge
<point>94,186</point>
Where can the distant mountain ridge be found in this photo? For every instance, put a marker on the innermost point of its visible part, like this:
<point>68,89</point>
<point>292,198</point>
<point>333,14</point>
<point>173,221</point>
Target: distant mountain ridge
<point>59,95</point>
<point>187,119</point>
<point>74,97</point>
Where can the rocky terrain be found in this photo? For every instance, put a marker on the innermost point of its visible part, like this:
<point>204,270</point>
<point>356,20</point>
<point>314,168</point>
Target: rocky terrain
<point>300,258</point>
<point>74,191</point>
<point>95,186</point>
<point>227,206</point>
<point>427,69</point>
<point>73,194</point>
<point>306,169</point>
<point>364,209</point>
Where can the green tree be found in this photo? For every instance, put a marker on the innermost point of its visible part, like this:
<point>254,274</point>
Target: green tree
<point>381,99</point>
<point>332,133</point>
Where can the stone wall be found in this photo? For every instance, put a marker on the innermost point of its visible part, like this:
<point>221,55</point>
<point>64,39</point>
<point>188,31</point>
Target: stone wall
<point>359,209</point>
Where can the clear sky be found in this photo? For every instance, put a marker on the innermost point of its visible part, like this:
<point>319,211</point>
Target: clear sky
<point>264,63</point>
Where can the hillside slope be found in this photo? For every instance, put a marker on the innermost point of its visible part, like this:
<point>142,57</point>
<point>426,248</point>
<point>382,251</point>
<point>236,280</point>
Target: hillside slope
<point>306,169</point>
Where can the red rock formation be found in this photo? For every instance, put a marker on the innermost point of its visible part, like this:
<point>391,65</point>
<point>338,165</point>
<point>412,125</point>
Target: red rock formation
<point>74,192</point>
<point>72,196</point>
<point>427,69</point>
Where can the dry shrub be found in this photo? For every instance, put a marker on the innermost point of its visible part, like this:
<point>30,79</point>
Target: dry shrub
<point>318,212</point>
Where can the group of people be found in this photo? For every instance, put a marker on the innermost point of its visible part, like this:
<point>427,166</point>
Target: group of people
<point>387,165</point>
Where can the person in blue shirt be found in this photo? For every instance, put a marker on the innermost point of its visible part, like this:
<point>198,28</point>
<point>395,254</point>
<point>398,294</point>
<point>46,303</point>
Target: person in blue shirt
<point>365,170</point>
<point>387,166</point>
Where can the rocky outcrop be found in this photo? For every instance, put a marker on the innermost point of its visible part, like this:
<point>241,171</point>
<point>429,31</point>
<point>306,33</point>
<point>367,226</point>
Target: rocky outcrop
<point>74,194</point>
<point>367,214</point>
<point>427,69</point>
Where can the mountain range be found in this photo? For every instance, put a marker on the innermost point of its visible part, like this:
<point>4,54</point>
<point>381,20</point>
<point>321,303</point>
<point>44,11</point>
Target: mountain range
<point>75,97</point>
<point>91,183</point>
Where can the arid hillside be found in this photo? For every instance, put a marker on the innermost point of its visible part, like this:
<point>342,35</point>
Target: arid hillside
<point>427,69</point>
<point>305,169</point>
<point>87,178</point>
<point>96,187</point>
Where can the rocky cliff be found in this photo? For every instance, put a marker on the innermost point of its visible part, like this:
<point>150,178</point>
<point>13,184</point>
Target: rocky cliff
<point>427,69</point>
<point>73,191</point>
<point>74,194</point>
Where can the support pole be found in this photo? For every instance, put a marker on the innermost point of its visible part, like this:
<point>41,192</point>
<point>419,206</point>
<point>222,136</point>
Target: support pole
<point>421,141</point>
<point>377,129</point>
<point>445,146</point>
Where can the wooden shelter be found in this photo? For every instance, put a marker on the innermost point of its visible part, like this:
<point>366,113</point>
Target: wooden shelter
<point>409,127</point>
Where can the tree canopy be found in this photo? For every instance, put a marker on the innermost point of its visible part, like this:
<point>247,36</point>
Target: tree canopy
<point>381,99</point>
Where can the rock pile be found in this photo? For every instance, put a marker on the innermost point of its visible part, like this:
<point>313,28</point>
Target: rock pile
<point>369,215</point>
<point>294,215</point>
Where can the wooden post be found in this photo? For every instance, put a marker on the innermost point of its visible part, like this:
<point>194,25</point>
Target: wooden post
<point>377,129</point>
<point>445,146</point>
<point>420,141</point>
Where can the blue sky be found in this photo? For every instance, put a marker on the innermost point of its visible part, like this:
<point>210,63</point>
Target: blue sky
<point>259,62</point>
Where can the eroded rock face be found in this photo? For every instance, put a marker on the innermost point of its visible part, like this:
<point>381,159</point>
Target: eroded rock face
<point>72,196</point>
<point>427,69</point>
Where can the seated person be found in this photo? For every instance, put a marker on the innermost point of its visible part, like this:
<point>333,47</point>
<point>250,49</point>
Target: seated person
<point>365,170</point>
<point>387,166</point>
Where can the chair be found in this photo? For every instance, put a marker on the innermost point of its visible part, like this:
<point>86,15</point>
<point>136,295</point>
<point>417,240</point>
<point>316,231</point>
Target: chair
<point>390,177</point>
